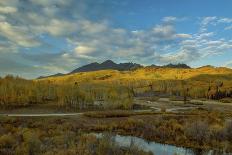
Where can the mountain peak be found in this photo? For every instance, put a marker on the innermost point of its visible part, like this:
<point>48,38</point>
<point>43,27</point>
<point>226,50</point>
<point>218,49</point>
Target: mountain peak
<point>179,65</point>
<point>108,62</point>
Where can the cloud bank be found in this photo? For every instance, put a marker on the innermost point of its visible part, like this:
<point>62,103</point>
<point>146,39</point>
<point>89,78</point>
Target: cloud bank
<point>41,37</point>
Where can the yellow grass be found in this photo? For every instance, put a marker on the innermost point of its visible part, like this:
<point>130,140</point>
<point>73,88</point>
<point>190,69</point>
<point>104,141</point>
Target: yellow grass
<point>146,74</point>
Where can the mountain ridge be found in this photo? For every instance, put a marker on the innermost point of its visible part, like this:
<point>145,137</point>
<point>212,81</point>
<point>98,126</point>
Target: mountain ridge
<point>108,64</point>
<point>111,65</point>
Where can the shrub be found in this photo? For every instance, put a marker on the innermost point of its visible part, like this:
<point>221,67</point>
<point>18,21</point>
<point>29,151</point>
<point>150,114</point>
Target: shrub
<point>198,131</point>
<point>226,100</point>
<point>32,141</point>
<point>7,141</point>
<point>229,131</point>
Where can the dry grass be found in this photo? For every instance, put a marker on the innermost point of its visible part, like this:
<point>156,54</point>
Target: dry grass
<point>226,100</point>
<point>166,128</point>
<point>140,74</point>
<point>108,114</point>
<point>117,113</point>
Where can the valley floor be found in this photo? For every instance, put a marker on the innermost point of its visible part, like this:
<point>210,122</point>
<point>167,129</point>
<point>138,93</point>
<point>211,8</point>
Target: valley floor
<point>206,125</point>
<point>143,104</point>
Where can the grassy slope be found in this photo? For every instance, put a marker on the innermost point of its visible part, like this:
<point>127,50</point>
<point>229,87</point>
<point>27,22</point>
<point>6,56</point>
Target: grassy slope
<point>203,74</point>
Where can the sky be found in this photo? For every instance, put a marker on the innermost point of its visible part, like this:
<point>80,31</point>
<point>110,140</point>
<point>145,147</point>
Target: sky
<point>44,37</point>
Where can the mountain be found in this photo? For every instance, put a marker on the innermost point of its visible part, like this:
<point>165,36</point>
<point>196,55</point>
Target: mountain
<point>184,66</point>
<point>108,64</point>
<point>179,65</point>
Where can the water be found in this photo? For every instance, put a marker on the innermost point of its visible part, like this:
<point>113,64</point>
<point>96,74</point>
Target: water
<point>157,148</point>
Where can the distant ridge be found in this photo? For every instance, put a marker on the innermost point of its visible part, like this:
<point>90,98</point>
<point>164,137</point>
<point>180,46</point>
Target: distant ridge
<point>179,65</point>
<point>109,64</point>
<point>55,75</point>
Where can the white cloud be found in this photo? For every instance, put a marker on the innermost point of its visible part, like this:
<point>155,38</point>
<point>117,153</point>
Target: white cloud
<point>12,3</point>
<point>169,19</point>
<point>2,18</point>
<point>18,35</point>
<point>92,28</point>
<point>94,40</point>
<point>206,21</point>
<point>183,56</point>
<point>51,68</point>
<point>172,19</point>
<point>225,20</point>
<point>183,35</point>
<point>7,9</point>
<point>228,28</point>
<point>214,43</point>
<point>84,50</point>
<point>163,29</point>
<point>165,32</point>
<point>204,35</point>
<point>57,27</point>
<point>51,2</point>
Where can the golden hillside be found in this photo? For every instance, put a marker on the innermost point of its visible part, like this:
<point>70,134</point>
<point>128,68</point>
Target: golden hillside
<point>153,74</point>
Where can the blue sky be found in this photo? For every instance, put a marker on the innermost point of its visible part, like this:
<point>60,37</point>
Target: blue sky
<point>43,37</point>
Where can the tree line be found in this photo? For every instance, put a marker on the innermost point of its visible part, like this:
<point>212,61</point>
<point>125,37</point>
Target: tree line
<point>15,92</point>
<point>215,90</point>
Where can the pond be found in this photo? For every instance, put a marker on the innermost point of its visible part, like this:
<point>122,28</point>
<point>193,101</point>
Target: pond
<point>160,149</point>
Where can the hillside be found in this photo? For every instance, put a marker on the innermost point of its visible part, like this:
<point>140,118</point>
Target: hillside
<point>203,82</point>
<point>110,65</point>
<point>55,75</point>
<point>147,73</point>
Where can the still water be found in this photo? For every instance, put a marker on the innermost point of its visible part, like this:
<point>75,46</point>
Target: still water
<point>160,149</point>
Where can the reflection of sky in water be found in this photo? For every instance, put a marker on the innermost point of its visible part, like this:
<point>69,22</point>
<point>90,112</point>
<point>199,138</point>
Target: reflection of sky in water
<point>157,148</point>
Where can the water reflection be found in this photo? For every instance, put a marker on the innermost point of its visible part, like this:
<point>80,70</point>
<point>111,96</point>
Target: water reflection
<point>160,149</point>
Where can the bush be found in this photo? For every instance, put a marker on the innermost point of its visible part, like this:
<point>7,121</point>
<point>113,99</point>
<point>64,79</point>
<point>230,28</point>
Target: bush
<point>226,100</point>
<point>32,141</point>
<point>163,109</point>
<point>229,131</point>
<point>7,141</point>
<point>198,131</point>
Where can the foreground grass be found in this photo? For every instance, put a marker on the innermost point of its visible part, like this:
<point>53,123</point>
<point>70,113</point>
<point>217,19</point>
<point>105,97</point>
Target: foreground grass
<point>60,141</point>
<point>201,130</point>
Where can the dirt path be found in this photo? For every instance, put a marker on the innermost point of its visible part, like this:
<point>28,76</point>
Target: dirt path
<point>79,114</point>
<point>42,115</point>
